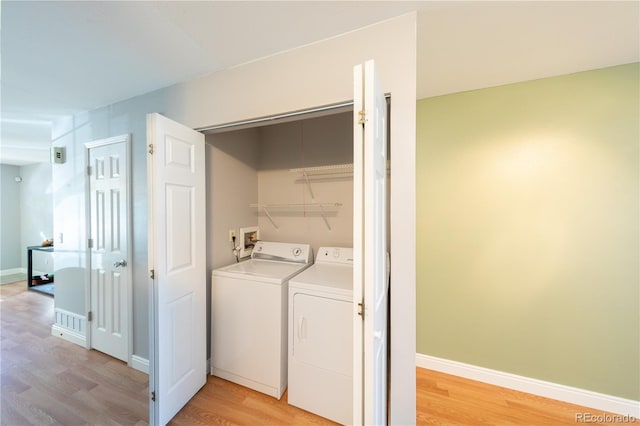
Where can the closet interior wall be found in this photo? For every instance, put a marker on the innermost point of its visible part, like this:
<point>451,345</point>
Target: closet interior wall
<point>253,167</point>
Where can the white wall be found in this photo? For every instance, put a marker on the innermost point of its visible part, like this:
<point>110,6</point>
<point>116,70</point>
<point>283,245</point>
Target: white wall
<point>318,74</point>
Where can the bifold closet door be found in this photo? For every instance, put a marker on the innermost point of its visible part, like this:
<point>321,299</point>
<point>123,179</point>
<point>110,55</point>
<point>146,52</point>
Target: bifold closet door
<point>370,282</point>
<point>177,265</point>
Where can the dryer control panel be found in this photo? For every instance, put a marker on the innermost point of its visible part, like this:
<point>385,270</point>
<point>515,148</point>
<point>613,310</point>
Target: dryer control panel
<point>335,255</point>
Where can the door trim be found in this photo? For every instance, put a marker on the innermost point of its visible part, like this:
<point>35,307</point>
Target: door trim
<point>284,117</point>
<point>126,138</point>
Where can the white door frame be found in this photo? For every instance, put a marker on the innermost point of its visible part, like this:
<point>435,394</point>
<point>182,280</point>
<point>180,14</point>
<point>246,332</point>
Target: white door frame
<point>126,138</point>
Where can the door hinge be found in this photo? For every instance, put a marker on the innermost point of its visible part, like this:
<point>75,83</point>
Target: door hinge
<point>152,274</point>
<point>150,148</point>
<point>89,316</point>
<point>88,170</point>
<point>361,117</point>
<point>90,243</point>
<point>361,309</point>
<point>153,395</point>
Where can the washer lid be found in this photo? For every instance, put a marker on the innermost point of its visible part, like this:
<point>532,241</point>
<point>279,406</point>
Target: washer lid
<point>260,270</point>
<point>335,278</point>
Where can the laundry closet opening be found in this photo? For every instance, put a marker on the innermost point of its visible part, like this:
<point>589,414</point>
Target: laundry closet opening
<point>291,177</point>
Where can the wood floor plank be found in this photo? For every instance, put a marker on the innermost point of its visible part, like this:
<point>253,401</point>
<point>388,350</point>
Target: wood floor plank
<point>120,406</point>
<point>55,405</point>
<point>75,380</point>
<point>32,414</point>
<point>11,417</point>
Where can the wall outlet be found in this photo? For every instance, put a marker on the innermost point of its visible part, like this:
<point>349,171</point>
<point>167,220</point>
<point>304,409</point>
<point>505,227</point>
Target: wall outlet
<point>232,234</point>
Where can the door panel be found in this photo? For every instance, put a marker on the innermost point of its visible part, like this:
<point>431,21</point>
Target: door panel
<point>110,285</point>
<point>370,250</point>
<point>375,275</point>
<point>180,231</point>
<point>177,258</point>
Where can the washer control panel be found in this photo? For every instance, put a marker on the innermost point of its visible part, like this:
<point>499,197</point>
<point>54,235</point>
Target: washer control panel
<point>335,255</point>
<point>283,252</point>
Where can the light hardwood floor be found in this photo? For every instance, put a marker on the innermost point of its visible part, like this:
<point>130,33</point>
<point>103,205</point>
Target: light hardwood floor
<point>46,380</point>
<point>443,399</point>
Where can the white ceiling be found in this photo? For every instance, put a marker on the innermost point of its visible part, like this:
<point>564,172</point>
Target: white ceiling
<point>59,57</point>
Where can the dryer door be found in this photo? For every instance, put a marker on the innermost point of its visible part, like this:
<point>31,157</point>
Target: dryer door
<point>320,355</point>
<point>322,333</point>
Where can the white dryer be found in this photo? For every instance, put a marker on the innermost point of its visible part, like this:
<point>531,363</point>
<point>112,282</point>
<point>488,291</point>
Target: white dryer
<point>249,316</point>
<point>321,336</point>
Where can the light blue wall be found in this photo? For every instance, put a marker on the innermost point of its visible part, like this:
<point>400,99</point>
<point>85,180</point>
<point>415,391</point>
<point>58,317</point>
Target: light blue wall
<point>10,242</point>
<point>27,218</point>
<point>128,117</point>
<point>36,212</point>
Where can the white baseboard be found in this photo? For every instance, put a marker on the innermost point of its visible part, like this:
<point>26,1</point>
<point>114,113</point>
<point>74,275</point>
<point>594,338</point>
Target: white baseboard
<point>140,364</point>
<point>71,327</point>
<point>12,271</point>
<point>8,276</point>
<point>599,401</point>
<point>69,335</point>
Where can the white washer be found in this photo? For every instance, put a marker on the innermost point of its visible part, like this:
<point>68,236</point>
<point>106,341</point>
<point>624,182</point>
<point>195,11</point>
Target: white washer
<point>249,316</point>
<point>321,336</point>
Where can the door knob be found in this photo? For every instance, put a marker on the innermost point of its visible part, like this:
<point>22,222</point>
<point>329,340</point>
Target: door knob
<point>120,262</point>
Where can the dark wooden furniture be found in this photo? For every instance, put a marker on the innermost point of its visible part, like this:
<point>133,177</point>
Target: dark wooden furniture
<point>30,281</point>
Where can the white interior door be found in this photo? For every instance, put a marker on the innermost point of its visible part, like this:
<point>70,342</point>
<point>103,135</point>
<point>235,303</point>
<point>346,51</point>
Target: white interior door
<point>177,251</point>
<point>370,250</point>
<point>110,291</point>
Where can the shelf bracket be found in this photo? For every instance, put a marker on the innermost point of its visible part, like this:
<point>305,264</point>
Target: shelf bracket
<point>266,212</point>
<point>306,178</point>
<point>326,222</point>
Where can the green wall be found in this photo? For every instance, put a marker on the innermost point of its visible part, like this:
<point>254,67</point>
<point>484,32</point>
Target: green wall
<point>528,229</point>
